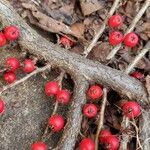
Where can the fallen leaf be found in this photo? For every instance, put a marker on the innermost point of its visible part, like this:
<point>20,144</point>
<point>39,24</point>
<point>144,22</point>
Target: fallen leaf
<point>90,6</point>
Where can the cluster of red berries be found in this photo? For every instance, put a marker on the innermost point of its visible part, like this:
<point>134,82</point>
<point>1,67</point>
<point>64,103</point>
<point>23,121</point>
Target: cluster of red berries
<point>94,93</point>
<point>2,106</point>
<point>116,37</point>
<point>137,75</point>
<point>10,33</point>
<point>108,140</point>
<point>52,88</point>
<point>12,64</point>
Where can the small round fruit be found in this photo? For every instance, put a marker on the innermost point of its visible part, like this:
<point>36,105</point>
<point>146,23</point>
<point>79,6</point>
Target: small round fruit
<point>111,142</point>
<point>51,88</point>
<point>2,40</point>
<point>131,109</point>
<point>131,39</point>
<point>29,66</point>
<point>115,21</point>
<point>11,33</point>
<point>9,77</point>
<point>90,110</point>
<point>66,42</point>
<point>12,63</point>
<point>56,123</point>
<point>137,75</point>
<point>63,96</point>
<point>95,92</point>
<point>39,146</point>
<point>2,106</point>
<point>115,38</point>
<point>87,144</point>
<point>103,135</point>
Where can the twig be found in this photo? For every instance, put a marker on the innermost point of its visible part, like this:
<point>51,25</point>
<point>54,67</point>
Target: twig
<point>38,70</point>
<point>137,134</point>
<point>138,58</point>
<point>131,28</point>
<point>101,30</point>
<point>101,117</point>
<point>125,137</point>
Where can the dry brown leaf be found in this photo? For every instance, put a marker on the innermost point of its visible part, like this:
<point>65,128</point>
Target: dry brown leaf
<point>148,85</point>
<point>78,29</point>
<point>47,23</point>
<point>90,6</point>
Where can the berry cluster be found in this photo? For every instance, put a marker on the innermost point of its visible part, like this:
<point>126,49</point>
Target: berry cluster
<point>109,141</point>
<point>10,33</point>
<point>12,64</point>
<point>116,37</point>
<point>94,93</point>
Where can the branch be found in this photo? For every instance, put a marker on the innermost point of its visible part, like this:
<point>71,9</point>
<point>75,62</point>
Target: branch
<point>74,120</point>
<point>38,70</point>
<point>101,30</point>
<point>72,63</point>
<point>131,28</point>
<point>101,117</point>
<point>138,58</point>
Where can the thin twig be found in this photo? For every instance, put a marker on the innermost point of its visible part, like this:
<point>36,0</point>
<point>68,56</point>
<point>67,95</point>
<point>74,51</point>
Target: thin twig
<point>125,137</point>
<point>38,70</point>
<point>101,30</point>
<point>101,117</point>
<point>138,58</point>
<point>137,134</point>
<point>131,28</point>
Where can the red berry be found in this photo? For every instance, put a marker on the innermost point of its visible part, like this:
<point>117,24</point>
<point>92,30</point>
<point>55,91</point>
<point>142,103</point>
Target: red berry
<point>66,42</point>
<point>39,146</point>
<point>95,92</point>
<point>63,96</point>
<point>137,75</point>
<point>2,40</point>
<point>29,66</point>
<point>87,144</point>
<point>103,135</point>
<point>115,21</point>
<point>2,106</point>
<point>51,88</point>
<point>9,77</point>
<point>12,63</point>
<point>56,122</point>
<point>111,142</point>
<point>131,39</point>
<point>131,109</point>
<point>90,110</point>
<point>11,33</point>
<point>115,38</point>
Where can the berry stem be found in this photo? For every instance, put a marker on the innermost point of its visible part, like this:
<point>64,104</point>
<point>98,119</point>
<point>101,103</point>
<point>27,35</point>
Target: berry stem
<point>131,28</point>
<point>101,117</point>
<point>101,30</point>
<point>38,70</point>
